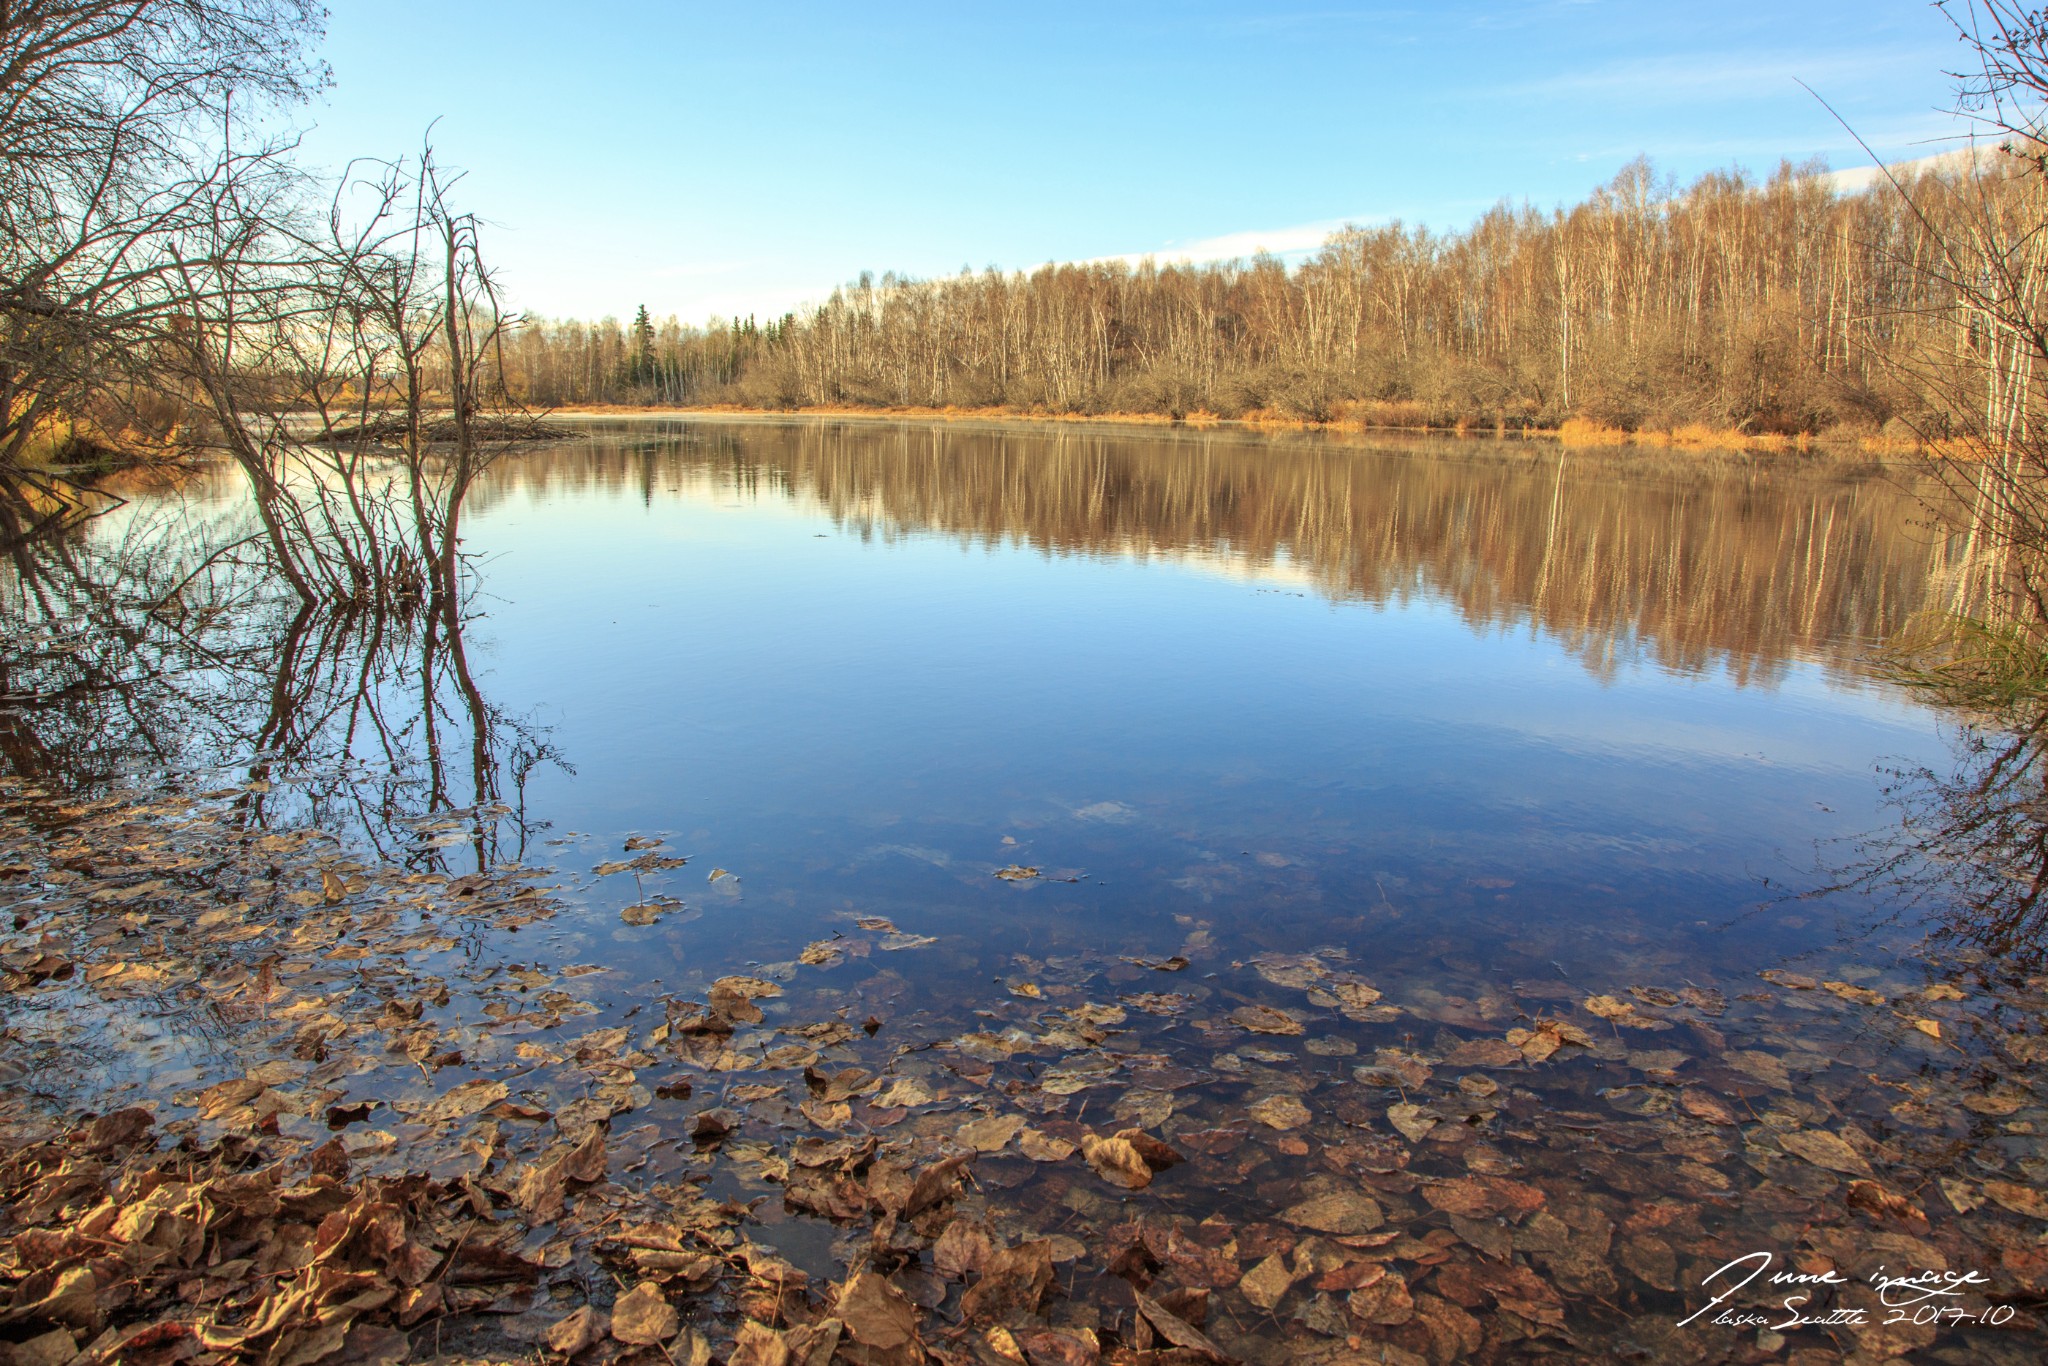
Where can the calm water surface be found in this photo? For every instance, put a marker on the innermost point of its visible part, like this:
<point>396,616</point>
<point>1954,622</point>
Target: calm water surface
<point>1530,709</point>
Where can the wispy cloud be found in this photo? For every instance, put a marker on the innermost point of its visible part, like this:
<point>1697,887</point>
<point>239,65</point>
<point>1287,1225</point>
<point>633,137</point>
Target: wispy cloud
<point>1725,76</point>
<point>1289,242</point>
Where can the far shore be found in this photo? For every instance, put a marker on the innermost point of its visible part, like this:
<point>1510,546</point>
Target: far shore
<point>1576,432</point>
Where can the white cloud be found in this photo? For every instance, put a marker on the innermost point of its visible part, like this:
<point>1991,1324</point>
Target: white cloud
<point>1289,242</point>
<point>1730,76</point>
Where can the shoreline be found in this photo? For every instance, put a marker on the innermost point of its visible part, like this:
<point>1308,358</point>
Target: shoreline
<point>1575,434</point>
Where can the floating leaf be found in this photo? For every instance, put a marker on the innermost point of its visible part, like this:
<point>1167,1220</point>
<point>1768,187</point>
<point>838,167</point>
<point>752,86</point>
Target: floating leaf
<point>1280,1112</point>
<point>990,1134</point>
<point>1413,1122</point>
<point>466,1099</point>
<point>1339,1212</point>
<point>1042,1147</point>
<point>1266,1020</point>
<point>1797,981</point>
<point>1116,1161</point>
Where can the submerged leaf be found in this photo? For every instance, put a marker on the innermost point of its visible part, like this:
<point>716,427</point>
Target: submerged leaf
<point>1266,1020</point>
<point>1280,1112</point>
<point>1824,1149</point>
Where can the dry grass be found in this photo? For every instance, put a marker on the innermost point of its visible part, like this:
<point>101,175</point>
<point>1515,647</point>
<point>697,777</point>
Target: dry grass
<point>1353,417</point>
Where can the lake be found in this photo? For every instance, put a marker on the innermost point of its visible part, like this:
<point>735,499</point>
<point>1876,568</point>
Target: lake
<point>1454,854</point>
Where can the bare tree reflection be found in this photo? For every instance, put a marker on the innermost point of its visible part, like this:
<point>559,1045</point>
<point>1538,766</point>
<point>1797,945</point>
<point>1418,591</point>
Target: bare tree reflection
<point>1970,849</point>
<point>166,648</point>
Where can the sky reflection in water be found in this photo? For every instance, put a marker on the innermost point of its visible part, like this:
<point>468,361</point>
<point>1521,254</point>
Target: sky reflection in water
<point>1408,701</point>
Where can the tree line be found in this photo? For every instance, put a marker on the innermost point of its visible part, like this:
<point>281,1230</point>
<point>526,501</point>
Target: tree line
<point>1784,304</point>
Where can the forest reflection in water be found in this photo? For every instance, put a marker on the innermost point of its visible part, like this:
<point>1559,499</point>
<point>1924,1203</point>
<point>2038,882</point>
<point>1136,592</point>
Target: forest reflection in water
<point>1694,560</point>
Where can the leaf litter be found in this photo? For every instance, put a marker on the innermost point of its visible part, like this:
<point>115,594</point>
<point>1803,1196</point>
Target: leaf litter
<point>322,1128</point>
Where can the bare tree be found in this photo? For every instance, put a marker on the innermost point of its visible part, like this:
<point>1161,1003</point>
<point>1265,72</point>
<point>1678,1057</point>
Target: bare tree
<point>120,122</point>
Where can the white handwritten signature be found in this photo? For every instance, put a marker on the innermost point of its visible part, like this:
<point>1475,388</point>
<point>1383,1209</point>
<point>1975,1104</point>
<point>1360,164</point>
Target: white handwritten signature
<point>1928,1294</point>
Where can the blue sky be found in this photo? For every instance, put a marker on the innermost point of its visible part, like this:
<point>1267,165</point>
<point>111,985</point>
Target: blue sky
<point>746,157</point>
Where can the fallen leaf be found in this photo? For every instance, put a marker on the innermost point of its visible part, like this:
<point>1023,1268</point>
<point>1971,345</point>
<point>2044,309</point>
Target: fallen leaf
<point>1338,1212</point>
<point>1116,1161</point>
<point>1266,1020</point>
<point>1266,1284</point>
<point>586,1327</point>
<point>2019,1199</point>
<point>990,1134</point>
<point>1824,1149</point>
<point>1280,1112</point>
<point>1413,1122</point>
<point>643,1316</point>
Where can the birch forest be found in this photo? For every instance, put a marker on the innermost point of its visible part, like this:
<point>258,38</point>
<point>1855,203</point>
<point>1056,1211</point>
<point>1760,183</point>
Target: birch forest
<point>1786,304</point>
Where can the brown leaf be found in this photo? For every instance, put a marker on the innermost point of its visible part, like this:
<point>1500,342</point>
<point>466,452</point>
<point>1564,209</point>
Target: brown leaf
<point>1412,1120</point>
<point>879,1318</point>
<point>1266,1020</point>
<point>1824,1149</point>
<point>1280,1112</point>
<point>1058,1346</point>
<point>935,1185</point>
<point>643,1316</point>
<point>1869,1195</point>
<point>991,1133</point>
<point>1863,996</point>
<point>2019,1199</point>
<point>1266,1284</point>
<point>1176,1330</point>
<point>964,1246</point>
<point>1797,981</point>
<point>461,1101</point>
<point>1704,1105</point>
<point>1479,1197</point>
<point>1158,1154</point>
<point>711,1126</point>
<point>586,1327</point>
<point>1115,1160</point>
<point>1337,1212</point>
<point>756,1344</point>
<point>1014,1282</point>
<point>1385,1302</point>
<point>1043,1147</point>
<point>844,1084</point>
